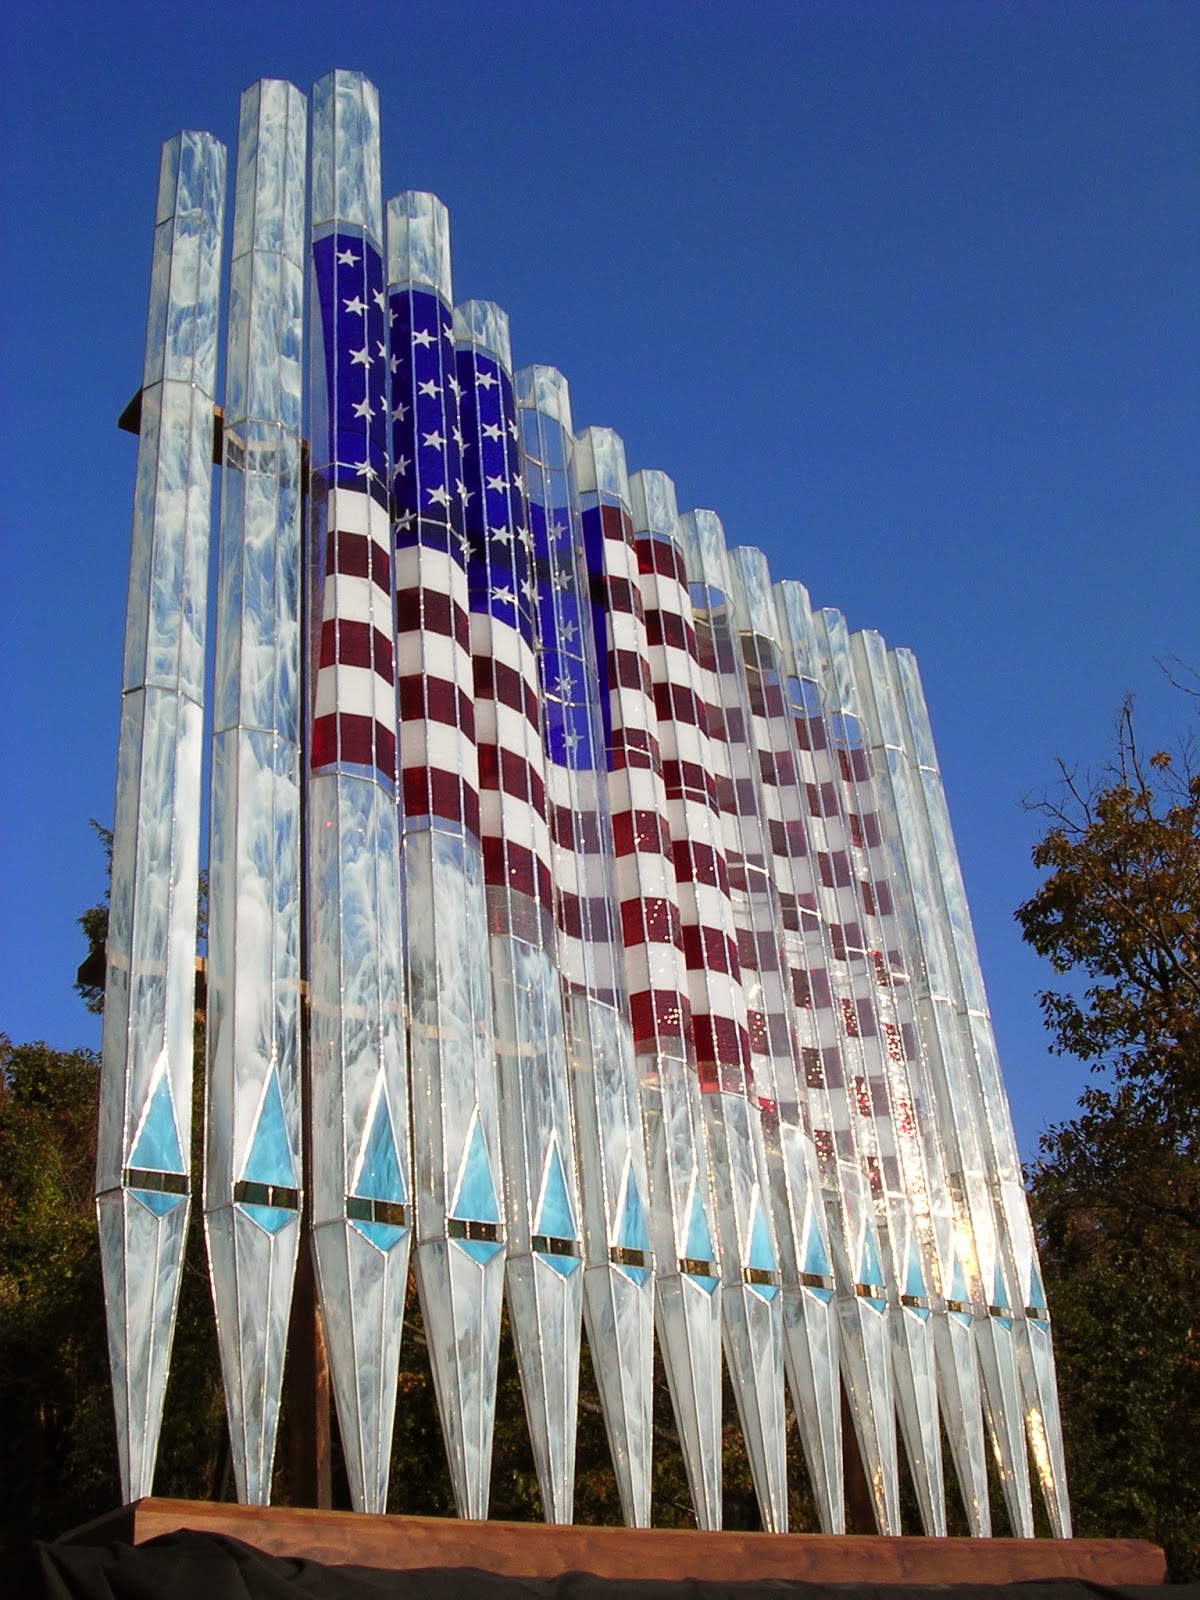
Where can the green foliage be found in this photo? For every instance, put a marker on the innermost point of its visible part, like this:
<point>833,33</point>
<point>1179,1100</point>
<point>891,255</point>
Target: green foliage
<point>58,1465</point>
<point>94,922</point>
<point>1116,1192</point>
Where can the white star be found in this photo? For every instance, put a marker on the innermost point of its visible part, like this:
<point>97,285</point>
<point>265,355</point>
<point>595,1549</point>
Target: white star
<point>504,594</point>
<point>501,535</point>
<point>439,496</point>
<point>568,632</point>
<point>464,494</point>
<point>518,481</point>
<point>346,258</point>
<point>561,581</point>
<point>448,332</point>
<point>392,315</point>
<point>423,337</point>
<point>381,347</point>
<point>497,483</point>
<point>571,741</point>
<point>556,529</point>
<point>485,380</point>
<point>404,522</point>
<point>456,387</point>
<point>402,466</point>
<point>464,543</point>
<point>523,535</point>
<point>394,364</point>
<point>491,430</point>
<point>367,471</point>
<point>360,358</point>
<point>456,435</point>
<point>364,408</point>
<point>355,305</point>
<point>433,440</point>
<point>512,428</point>
<point>399,411</point>
<point>528,589</point>
<point>380,299</point>
<point>429,388</point>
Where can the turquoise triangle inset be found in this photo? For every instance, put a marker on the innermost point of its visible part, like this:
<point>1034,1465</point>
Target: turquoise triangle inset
<point>269,1218</point>
<point>555,1219</point>
<point>815,1259</point>
<point>383,1235</point>
<point>157,1202</point>
<point>1037,1293</point>
<point>475,1200</point>
<point>270,1159</point>
<point>481,1250</point>
<point>631,1232</point>
<point>958,1291</point>
<point>699,1240</point>
<point>760,1254</point>
<point>958,1282</point>
<point>379,1176</point>
<point>871,1274</point>
<point>1000,1296</point>
<point>914,1283</point>
<point>157,1148</point>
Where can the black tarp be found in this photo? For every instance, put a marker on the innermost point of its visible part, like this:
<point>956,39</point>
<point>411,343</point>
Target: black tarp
<point>200,1566</point>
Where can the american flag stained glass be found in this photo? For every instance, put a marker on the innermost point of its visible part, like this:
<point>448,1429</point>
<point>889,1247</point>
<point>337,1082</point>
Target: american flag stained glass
<point>639,974</point>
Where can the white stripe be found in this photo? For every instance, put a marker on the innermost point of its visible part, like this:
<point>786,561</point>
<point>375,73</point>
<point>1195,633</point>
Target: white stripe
<point>355,600</point>
<point>355,691</point>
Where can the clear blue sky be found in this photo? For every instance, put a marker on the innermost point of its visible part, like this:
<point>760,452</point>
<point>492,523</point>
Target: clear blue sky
<point>909,293</point>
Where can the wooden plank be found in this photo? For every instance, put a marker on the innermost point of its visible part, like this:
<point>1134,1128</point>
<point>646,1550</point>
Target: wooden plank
<point>524,1549</point>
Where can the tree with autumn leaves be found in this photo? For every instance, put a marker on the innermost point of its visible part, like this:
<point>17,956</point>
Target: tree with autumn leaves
<point>1116,1191</point>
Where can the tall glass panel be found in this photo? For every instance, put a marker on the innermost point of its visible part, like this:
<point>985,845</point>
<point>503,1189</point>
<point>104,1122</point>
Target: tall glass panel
<point>544,1276</point>
<point>459,1250</point>
<point>253,1133</point>
<point>618,1286</point>
<point>822,937</point>
<point>983,1290</point>
<point>688,1290</point>
<point>361,1201</point>
<point>143,1151</point>
<point>725,592</point>
<point>746,1261</point>
<point>1027,1298</point>
<point>920,1213</point>
<point>900,1177</point>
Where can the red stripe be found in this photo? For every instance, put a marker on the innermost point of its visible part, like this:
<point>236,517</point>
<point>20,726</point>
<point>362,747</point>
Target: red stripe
<point>432,611</point>
<point>641,832</point>
<point>710,950</point>
<point>356,644</point>
<point>675,702</point>
<point>348,739</point>
<point>616,524</point>
<point>660,1014</point>
<point>427,699</point>
<point>354,555</point>
<point>661,556</point>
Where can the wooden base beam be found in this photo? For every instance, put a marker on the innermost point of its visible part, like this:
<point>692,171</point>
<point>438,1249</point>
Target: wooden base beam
<point>535,1550</point>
